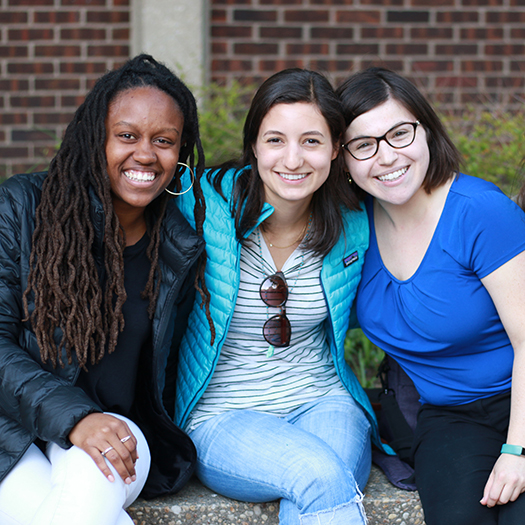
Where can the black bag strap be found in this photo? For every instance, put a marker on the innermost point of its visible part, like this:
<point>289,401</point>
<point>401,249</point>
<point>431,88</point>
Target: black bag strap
<point>402,434</point>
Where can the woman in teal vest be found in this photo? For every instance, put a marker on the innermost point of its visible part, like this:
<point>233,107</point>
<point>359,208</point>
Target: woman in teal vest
<point>267,397</point>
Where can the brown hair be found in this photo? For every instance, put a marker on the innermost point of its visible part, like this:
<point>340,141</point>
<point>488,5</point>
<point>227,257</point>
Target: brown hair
<point>288,87</point>
<point>374,86</point>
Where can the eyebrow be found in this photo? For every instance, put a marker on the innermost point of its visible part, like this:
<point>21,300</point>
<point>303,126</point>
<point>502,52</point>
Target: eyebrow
<point>125,123</point>
<point>276,132</point>
<point>373,137</point>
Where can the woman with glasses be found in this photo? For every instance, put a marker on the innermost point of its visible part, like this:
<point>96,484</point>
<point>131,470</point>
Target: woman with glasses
<point>443,292</point>
<point>268,399</point>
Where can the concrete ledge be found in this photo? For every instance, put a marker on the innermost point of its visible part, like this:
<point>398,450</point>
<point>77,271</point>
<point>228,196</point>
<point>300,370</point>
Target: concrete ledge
<point>197,505</point>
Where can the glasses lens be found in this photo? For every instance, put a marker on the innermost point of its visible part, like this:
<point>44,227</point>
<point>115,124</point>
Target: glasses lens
<point>277,330</point>
<point>399,137</point>
<point>274,290</point>
<point>402,135</point>
<point>362,149</point>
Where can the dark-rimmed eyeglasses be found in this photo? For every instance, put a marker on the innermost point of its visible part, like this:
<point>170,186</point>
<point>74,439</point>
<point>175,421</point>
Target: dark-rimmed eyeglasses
<point>400,136</point>
<point>277,330</point>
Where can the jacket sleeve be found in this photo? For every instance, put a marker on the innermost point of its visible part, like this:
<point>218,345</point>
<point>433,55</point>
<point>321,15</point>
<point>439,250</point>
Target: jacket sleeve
<point>184,306</point>
<point>40,399</point>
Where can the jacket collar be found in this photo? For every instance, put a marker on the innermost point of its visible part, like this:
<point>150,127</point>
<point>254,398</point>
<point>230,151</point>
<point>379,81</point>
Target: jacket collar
<point>179,242</point>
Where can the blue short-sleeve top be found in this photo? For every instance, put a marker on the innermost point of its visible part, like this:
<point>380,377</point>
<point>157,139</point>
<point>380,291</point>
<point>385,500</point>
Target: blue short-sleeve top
<point>441,324</point>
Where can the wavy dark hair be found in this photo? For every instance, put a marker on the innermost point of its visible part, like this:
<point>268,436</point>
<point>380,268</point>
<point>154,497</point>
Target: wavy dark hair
<point>372,87</point>
<point>63,275</point>
<point>288,87</point>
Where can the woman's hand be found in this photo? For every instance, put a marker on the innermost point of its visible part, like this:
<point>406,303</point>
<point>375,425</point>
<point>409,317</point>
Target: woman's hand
<point>102,433</point>
<point>506,287</point>
<point>506,481</point>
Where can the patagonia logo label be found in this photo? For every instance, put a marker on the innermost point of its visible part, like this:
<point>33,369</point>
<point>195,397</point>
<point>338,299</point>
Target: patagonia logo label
<point>350,259</point>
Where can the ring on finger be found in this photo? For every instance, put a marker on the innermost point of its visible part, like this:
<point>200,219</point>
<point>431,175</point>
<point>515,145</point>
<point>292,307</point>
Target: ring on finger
<point>104,452</point>
<point>124,439</point>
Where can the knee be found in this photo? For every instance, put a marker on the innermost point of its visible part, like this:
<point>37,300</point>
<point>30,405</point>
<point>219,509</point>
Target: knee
<point>322,482</point>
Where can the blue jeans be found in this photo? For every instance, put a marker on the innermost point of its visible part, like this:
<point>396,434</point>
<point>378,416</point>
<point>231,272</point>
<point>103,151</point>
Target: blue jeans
<point>316,460</point>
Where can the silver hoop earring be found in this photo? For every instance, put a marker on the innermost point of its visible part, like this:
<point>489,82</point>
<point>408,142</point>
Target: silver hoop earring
<point>192,181</point>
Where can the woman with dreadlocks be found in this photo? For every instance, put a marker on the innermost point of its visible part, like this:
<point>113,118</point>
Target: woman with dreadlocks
<point>97,274</point>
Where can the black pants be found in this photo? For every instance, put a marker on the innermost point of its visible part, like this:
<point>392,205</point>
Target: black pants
<point>454,451</point>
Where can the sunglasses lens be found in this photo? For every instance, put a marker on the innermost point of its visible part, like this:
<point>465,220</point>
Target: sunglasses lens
<point>274,290</point>
<point>277,330</point>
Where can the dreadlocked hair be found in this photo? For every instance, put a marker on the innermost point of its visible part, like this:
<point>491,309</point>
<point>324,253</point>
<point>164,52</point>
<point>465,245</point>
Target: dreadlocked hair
<point>64,281</point>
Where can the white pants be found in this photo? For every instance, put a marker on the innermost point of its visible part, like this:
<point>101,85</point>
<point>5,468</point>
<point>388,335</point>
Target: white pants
<point>63,487</point>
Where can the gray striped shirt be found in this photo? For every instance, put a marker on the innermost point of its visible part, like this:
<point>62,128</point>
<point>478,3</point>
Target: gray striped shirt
<point>247,376</point>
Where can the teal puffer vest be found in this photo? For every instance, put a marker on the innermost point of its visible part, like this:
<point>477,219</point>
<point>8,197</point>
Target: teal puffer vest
<point>340,275</point>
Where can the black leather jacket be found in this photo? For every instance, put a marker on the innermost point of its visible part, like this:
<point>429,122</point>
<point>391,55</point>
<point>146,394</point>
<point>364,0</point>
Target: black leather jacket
<point>40,402</point>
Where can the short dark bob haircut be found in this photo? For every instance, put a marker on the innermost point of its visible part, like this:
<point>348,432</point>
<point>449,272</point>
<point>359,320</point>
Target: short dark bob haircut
<point>291,86</point>
<point>372,87</point>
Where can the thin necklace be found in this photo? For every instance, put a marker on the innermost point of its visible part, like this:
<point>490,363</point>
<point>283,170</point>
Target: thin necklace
<point>304,232</point>
<point>271,348</point>
<point>299,268</point>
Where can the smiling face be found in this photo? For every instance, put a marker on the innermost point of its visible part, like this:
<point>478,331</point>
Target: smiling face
<point>143,138</point>
<point>294,151</point>
<point>393,176</point>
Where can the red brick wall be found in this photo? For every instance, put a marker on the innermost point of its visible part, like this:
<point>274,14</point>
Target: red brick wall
<point>457,51</point>
<point>51,52</point>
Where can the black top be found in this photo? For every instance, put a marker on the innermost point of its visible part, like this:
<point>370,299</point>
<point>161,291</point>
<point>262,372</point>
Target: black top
<point>52,405</point>
<point>111,383</point>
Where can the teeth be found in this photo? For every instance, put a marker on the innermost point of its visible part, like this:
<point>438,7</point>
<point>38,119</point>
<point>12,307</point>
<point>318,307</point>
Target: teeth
<point>139,175</point>
<point>393,176</point>
<point>291,176</point>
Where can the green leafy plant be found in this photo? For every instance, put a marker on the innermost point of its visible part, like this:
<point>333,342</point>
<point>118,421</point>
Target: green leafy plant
<point>363,357</point>
<point>492,143</point>
<point>222,110</point>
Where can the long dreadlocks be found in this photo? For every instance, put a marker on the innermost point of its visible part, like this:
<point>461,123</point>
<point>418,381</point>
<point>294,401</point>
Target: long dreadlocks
<point>63,275</point>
